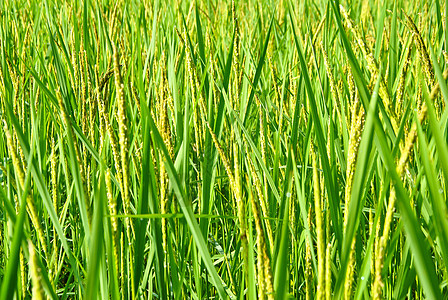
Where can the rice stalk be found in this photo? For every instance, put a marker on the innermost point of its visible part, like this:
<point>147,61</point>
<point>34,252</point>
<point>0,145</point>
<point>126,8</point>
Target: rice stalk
<point>333,86</point>
<point>328,272</point>
<point>20,173</point>
<point>103,110</point>
<point>164,129</point>
<point>320,292</point>
<point>124,158</point>
<point>263,203</point>
<point>308,267</point>
<point>356,129</point>
<point>112,204</point>
<point>401,167</point>
<point>55,196</point>
<point>401,82</point>
<point>372,65</point>
<point>423,53</point>
<point>69,128</point>
<point>263,261</point>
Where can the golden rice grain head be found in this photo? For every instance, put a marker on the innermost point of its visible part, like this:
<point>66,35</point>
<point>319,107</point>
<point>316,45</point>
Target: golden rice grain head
<point>15,84</point>
<point>112,203</point>
<point>262,202</point>
<point>421,47</point>
<point>123,138</point>
<point>122,263</point>
<point>308,271</point>
<point>319,227</point>
<point>328,272</point>
<point>23,275</point>
<point>259,229</point>
<point>268,276</point>
<point>67,123</point>
<point>84,92</point>
<point>352,155</point>
<point>223,155</point>
<point>354,142</point>
<point>36,274</point>
<point>350,274</point>
<point>18,167</point>
<point>111,133</point>
<point>54,165</point>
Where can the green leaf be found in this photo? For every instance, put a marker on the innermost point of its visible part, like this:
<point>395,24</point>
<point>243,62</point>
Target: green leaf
<point>8,286</point>
<point>320,137</point>
<point>189,216</point>
<point>418,244</point>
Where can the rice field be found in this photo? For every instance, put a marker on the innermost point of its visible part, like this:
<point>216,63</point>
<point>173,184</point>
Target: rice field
<point>223,149</point>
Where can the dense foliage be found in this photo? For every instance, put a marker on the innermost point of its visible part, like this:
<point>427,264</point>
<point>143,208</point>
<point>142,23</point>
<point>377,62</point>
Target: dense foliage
<point>217,149</point>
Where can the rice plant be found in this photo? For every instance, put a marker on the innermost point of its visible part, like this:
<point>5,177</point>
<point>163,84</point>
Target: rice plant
<point>223,149</point>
